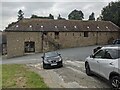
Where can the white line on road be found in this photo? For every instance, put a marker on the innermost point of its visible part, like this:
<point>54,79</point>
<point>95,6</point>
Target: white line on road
<point>78,71</point>
<point>75,63</point>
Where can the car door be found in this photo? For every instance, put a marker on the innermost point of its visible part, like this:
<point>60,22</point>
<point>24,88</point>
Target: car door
<point>94,61</point>
<point>107,63</point>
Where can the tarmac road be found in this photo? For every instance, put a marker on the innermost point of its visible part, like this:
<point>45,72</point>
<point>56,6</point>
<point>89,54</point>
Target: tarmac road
<point>79,53</point>
<point>71,75</point>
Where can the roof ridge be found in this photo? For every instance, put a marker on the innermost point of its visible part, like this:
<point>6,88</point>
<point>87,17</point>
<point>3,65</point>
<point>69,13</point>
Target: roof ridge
<point>114,24</point>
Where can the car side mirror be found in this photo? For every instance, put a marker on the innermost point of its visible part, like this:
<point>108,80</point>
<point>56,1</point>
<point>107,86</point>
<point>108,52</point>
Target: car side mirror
<point>91,56</point>
<point>42,57</point>
<point>59,54</point>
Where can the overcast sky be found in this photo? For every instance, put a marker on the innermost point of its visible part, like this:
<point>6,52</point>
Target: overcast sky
<point>9,9</point>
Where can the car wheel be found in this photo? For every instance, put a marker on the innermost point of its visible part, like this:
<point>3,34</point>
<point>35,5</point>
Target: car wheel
<point>61,65</point>
<point>88,71</point>
<point>115,82</point>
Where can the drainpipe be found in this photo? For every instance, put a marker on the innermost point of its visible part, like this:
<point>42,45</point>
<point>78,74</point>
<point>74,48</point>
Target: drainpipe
<point>97,38</point>
<point>42,40</point>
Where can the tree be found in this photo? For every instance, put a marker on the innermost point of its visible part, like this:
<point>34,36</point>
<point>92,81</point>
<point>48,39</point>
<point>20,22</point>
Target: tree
<point>76,15</point>
<point>100,18</point>
<point>20,15</point>
<point>112,13</point>
<point>60,18</point>
<point>41,17</point>
<point>92,16</point>
<point>34,16</point>
<point>51,16</point>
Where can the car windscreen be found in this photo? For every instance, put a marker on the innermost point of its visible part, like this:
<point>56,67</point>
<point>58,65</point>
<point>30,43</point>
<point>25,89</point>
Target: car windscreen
<point>118,42</point>
<point>51,54</point>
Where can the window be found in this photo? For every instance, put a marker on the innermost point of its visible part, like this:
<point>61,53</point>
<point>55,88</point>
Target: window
<point>56,35</point>
<point>51,34</point>
<point>112,54</point>
<point>64,26</point>
<point>88,27</point>
<point>30,26</point>
<point>80,34</point>
<point>75,26</point>
<point>41,26</point>
<point>55,26</point>
<point>93,34</point>
<point>29,47</point>
<point>45,33</point>
<point>99,33</point>
<point>85,34</point>
<point>117,42</point>
<point>73,34</point>
<point>106,33</point>
<point>98,27</point>
<point>108,54</point>
<point>46,43</point>
<point>100,54</point>
<point>17,25</point>
<point>65,34</point>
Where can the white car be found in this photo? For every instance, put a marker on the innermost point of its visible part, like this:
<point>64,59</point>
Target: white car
<point>106,63</point>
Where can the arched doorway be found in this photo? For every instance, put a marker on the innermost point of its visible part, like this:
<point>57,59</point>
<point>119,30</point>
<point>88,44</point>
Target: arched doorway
<point>29,47</point>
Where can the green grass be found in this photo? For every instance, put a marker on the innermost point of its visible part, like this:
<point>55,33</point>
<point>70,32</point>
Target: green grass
<point>19,76</point>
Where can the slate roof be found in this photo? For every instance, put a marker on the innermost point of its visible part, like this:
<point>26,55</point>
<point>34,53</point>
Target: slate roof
<point>62,25</point>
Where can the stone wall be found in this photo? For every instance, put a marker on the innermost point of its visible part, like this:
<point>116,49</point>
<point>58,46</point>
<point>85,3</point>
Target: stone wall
<point>15,40</point>
<point>76,39</point>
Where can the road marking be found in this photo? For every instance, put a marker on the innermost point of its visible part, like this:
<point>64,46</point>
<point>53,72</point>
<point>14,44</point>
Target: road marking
<point>81,62</point>
<point>74,63</point>
<point>78,71</point>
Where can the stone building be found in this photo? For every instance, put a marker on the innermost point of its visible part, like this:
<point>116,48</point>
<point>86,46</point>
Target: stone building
<point>3,49</point>
<point>39,35</point>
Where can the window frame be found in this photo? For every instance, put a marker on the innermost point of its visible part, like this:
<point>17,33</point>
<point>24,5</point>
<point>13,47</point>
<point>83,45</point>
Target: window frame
<point>86,34</point>
<point>56,35</point>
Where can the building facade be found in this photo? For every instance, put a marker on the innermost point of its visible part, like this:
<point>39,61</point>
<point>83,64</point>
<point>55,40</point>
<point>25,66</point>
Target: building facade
<point>41,35</point>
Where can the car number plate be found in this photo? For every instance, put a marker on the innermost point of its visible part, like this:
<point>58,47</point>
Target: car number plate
<point>53,64</point>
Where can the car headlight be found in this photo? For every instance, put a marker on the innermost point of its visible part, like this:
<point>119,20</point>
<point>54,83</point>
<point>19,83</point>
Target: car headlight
<point>45,61</point>
<point>60,59</point>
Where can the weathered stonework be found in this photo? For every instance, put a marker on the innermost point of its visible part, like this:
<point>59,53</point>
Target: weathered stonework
<point>15,40</point>
<point>47,35</point>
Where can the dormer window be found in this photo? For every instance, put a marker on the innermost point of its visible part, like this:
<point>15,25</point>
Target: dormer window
<point>64,26</point>
<point>30,26</point>
<point>17,25</point>
<point>75,26</point>
<point>107,27</point>
<point>88,27</point>
<point>55,26</point>
<point>98,27</point>
<point>41,26</point>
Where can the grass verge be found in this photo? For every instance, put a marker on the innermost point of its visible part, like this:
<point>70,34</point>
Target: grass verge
<point>19,76</point>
